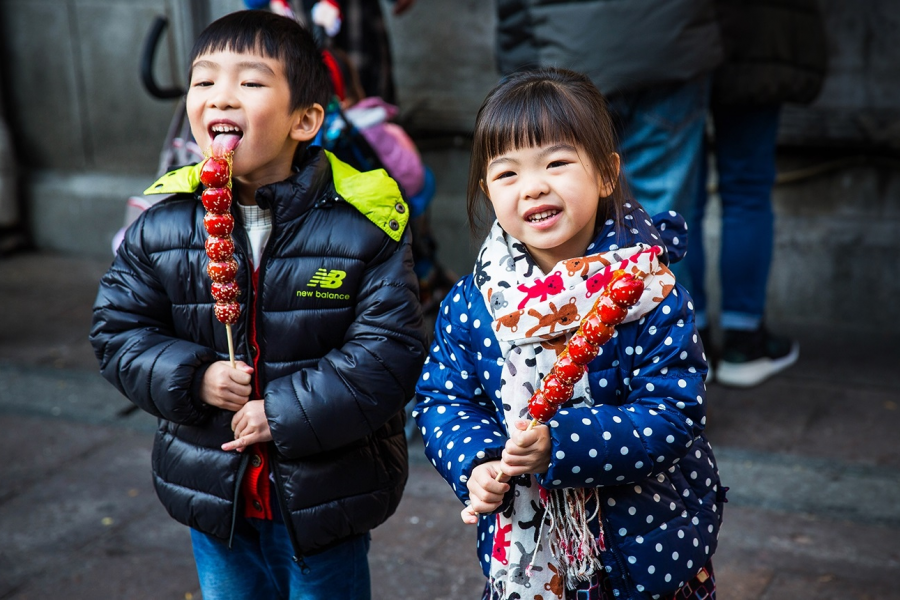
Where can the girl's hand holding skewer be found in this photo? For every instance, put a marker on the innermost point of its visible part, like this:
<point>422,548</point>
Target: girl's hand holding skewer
<point>527,450</point>
<point>487,486</point>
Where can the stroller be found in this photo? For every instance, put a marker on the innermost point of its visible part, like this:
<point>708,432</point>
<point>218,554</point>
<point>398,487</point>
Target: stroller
<point>342,134</point>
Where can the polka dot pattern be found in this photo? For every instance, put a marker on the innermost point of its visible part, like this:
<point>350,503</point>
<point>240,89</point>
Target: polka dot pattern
<point>639,438</point>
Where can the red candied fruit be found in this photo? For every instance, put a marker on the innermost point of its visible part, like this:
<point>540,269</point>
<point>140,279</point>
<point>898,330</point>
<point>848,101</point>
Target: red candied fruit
<point>217,200</point>
<point>228,312</point>
<point>225,292</point>
<point>221,272</point>
<point>610,312</point>
<point>540,409</point>
<point>582,351</point>
<point>218,225</point>
<point>567,370</point>
<point>626,291</point>
<point>219,249</point>
<point>555,391</point>
<point>215,172</point>
<point>595,330</point>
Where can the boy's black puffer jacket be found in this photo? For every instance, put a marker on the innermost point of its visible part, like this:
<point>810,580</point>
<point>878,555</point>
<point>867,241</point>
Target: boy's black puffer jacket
<point>338,356</point>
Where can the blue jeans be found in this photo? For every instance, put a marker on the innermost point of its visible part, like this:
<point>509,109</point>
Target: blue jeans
<point>744,153</point>
<point>660,133</point>
<point>260,565</point>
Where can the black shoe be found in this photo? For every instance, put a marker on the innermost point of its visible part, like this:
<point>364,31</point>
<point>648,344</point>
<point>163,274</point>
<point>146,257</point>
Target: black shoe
<point>750,357</point>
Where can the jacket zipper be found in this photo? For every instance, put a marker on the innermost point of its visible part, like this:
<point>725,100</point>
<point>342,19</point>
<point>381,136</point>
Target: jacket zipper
<point>620,566</point>
<point>242,469</point>
<point>249,343</point>
<point>285,515</point>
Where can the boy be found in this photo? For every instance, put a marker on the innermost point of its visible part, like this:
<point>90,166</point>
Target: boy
<point>282,465</point>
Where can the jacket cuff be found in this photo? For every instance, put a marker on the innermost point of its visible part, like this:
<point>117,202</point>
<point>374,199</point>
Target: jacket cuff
<point>203,409</point>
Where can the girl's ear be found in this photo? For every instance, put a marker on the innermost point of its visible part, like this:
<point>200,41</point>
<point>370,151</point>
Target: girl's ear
<point>307,122</point>
<point>484,188</point>
<point>608,186</point>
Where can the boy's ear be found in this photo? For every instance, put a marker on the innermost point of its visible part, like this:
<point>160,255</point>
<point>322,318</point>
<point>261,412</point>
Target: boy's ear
<point>607,186</point>
<point>307,122</point>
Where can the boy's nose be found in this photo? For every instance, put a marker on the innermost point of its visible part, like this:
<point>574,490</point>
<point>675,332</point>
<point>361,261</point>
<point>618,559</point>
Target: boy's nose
<point>223,97</point>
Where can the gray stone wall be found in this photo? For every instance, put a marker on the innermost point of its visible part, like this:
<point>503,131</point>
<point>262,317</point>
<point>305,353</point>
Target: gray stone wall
<point>86,135</point>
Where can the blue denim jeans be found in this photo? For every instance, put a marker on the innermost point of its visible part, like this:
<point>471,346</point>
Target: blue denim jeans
<point>660,133</point>
<point>744,151</point>
<point>260,565</point>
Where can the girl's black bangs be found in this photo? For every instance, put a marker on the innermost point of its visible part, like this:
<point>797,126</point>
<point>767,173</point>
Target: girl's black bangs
<point>529,119</point>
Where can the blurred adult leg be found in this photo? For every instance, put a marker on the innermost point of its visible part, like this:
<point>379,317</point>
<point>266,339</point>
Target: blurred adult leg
<point>745,138</point>
<point>696,256</point>
<point>745,161</point>
<point>660,135</point>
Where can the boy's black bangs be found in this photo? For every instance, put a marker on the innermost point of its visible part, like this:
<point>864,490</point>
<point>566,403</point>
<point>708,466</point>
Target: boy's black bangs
<point>233,35</point>
<point>275,37</point>
<point>535,117</point>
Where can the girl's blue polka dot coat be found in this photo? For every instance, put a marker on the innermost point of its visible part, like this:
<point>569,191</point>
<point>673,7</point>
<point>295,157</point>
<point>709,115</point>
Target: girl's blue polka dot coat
<point>641,444</point>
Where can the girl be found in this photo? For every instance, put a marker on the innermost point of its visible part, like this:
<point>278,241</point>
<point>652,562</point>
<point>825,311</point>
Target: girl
<point>618,495</point>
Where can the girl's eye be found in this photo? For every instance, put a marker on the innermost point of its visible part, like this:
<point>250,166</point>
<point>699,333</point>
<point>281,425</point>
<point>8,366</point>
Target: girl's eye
<point>505,174</point>
<point>252,84</point>
<point>202,83</point>
<point>557,163</point>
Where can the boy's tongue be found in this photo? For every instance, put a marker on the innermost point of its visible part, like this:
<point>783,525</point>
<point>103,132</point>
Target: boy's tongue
<point>224,144</point>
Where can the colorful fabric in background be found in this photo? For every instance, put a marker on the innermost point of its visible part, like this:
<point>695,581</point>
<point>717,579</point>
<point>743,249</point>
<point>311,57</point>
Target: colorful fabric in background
<point>364,38</point>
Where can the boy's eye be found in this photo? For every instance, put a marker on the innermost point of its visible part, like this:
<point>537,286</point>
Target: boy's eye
<point>201,83</point>
<point>253,84</point>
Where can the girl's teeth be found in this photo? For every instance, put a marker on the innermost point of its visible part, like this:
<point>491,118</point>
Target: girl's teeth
<point>542,215</point>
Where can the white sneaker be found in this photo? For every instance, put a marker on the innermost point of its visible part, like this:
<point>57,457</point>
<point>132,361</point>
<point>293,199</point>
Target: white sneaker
<point>751,357</point>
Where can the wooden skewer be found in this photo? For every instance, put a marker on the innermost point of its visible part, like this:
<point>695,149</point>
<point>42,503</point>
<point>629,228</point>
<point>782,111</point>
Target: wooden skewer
<point>230,346</point>
<point>469,509</point>
<point>534,423</point>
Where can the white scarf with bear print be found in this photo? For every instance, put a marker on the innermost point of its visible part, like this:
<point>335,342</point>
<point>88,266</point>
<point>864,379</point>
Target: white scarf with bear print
<point>534,315</point>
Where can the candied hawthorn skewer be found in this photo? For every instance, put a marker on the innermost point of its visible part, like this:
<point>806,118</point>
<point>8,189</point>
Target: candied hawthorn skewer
<point>597,328</point>
<point>222,268</point>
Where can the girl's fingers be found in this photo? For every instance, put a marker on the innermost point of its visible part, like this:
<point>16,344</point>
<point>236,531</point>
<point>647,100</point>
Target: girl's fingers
<point>469,516</point>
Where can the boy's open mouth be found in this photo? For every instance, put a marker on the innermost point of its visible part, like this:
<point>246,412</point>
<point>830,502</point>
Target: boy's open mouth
<point>542,216</point>
<point>225,138</point>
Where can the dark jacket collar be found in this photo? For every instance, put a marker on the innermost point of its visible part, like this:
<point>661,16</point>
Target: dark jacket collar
<point>309,185</point>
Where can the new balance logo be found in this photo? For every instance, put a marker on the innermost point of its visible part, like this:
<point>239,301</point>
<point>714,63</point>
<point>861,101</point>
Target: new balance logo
<point>327,279</point>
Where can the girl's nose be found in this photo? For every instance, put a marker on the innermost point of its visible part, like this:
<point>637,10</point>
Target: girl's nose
<point>534,186</point>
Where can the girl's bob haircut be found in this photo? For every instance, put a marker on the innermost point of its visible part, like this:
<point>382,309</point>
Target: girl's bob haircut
<point>267,34</point>
<point>539,107</point>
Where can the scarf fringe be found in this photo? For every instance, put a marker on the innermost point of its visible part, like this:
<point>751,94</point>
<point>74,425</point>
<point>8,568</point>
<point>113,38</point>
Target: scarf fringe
<point>573,546</point>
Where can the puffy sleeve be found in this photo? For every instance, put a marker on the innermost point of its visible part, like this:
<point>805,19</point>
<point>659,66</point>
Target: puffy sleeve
<point>133,336</point>
<point>458,421</point>
<point>649,421</point>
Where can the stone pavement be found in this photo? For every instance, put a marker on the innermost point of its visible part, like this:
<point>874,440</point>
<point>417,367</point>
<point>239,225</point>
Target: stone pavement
<point>811,459</point>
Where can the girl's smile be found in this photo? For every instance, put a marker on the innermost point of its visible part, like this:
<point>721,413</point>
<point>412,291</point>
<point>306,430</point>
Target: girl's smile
<point>547,197</point>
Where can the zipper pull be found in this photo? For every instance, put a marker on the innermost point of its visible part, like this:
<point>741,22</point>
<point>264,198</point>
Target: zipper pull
<point>304,568</point>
